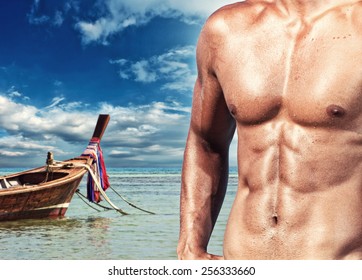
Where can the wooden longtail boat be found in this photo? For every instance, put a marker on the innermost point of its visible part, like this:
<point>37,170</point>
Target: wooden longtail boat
<point>48,190</point>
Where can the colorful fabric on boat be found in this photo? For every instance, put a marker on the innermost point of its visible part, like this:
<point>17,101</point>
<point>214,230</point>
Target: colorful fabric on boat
<point>95,152</point>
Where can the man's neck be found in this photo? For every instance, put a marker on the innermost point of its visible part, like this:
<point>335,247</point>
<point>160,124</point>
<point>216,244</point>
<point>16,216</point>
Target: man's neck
<point>310,8</point>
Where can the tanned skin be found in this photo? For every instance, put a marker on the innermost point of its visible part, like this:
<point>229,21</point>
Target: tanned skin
<point>287,77</point>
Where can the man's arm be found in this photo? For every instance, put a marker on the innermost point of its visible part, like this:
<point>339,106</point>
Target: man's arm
<point>205,167</point>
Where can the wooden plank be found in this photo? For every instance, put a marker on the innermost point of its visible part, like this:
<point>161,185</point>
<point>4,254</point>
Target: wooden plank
<point>101,126</point>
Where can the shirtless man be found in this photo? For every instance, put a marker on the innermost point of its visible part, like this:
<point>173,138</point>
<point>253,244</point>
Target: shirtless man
<point>287,76</point>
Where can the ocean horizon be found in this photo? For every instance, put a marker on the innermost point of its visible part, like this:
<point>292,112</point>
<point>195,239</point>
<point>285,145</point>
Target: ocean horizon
<point>86,233</point>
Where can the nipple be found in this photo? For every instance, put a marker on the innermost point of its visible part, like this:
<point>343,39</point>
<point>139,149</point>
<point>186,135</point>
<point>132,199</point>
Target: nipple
<point>232,110</point>
<point>335,111</point>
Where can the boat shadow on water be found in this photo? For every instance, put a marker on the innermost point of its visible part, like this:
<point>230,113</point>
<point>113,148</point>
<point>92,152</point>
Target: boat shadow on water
<point>55,239</point>
<point>49,224</point>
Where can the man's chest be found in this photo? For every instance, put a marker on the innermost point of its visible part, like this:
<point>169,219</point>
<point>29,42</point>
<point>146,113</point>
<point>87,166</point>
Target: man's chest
<point>302,75</point>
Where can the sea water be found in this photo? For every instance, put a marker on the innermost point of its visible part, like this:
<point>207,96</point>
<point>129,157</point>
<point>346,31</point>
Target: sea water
<point>98,234</point>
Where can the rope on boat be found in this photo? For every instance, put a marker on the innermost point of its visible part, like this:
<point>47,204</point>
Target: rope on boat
<point>85,200</point>
<point>100,188</point>
<point>82,197</point>
<point>130,203</point>
<point>49,162</point>
<point>92,173</point>
<point>62,164</point>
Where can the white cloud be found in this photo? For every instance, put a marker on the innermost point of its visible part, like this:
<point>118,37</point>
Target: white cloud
<point>91,31</point>
<point>172,68</point>
<point>148,131</point>
<point>147,135</point>
<point>12,154</point>
<point>55,102</point>
<point>9,110</point>
<point>33,16</point>
<point>19,142</point>
<point>37,16</point>
<point>14,93</point>
<point>143,72</point>
<point>38,20</point>
<point>118,61</point>
<point>116,15</point>
<point>58,18</point>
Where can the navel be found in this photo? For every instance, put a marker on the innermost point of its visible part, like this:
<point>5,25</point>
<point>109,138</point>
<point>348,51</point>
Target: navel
<point>335,111</point>
<point>275,219</point>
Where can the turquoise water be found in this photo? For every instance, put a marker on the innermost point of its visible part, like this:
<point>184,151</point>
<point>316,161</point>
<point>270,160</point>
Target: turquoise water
<point>86,234</point>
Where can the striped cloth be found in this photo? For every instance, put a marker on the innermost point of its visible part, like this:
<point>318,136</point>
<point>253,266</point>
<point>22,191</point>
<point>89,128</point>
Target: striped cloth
<point>95,152</point>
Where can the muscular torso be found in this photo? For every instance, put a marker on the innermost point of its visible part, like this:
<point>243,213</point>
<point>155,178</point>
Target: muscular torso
<point>294,88</point>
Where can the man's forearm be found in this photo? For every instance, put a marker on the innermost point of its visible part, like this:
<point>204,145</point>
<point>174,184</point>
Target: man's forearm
<point>204,180</point>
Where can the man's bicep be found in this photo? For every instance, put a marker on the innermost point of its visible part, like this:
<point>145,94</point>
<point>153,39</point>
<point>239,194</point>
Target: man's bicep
<point>211,120</point>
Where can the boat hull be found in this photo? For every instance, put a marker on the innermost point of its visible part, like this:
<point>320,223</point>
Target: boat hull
<point>47,194</point>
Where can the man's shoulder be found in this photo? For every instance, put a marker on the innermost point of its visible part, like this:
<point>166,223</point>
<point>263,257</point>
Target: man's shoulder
<point>240,13</point>
<point>243,6</point>
<point>357,13</point>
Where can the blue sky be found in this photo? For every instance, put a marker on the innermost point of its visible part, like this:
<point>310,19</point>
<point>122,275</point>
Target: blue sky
<point>64,62</point>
